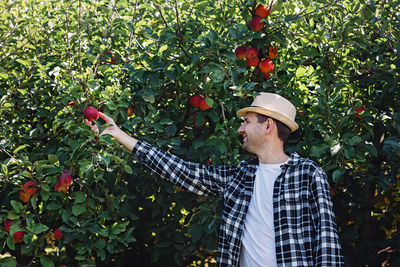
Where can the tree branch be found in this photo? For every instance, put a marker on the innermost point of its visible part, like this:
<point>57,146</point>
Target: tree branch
<point>179,32</point>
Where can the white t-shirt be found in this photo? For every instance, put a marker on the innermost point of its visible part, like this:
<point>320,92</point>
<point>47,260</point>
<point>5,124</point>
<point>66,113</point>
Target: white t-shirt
<point>258,240</point>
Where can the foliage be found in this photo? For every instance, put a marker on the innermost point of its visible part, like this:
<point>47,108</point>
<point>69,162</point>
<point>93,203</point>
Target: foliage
<point>337,61</point>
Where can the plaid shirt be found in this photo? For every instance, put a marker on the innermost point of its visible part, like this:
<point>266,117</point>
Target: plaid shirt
<point>305,229</point>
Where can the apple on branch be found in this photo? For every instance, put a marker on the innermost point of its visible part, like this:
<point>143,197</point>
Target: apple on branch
<point>272,52</point>
<point>7,225</point>
<point>30,188</point>
<point>261,11</point>
<point>240,52</point>
<point>18,236</point>
<point>194,100</point>
<point>266,65</point>
<point>256,24</point>
<point>251,52</point>
<point>203,104</point>
<point>58,234</point>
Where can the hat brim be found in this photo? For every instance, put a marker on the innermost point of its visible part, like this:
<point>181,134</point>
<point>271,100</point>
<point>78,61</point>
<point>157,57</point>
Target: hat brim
<point>293,126</point>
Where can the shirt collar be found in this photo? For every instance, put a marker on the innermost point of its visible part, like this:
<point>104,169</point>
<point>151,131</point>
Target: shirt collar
<point>294,160</point>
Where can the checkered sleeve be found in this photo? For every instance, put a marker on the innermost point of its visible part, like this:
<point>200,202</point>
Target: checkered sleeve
<point>202,179</point>
<point>327,250</point>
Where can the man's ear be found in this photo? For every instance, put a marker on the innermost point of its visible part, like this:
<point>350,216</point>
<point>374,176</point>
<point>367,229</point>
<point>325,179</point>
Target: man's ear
<point>269,125</point>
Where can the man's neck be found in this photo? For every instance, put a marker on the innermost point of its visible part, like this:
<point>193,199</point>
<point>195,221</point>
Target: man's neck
<point>272,156</point>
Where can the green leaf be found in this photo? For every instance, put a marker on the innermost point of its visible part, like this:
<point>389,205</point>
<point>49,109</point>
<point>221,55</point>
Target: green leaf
<point>195,230</point>
<point>300,72</point>
<point>119,227</point>
<point>46,261</point>
<point>20,148</point>
<point>149,98</point>
<point>80,197</point>
<point>128,169</point>
<point>170,130</point>
<point>209,101</point>
<point>52,158</point>
<point>10,243</point>
<point>78,209</point>
<point>337,175</point>
<point>53,206</point>
<point>8,262</point>
<point>17,206</point>
<point>38,228</point>
<point>355,140</point>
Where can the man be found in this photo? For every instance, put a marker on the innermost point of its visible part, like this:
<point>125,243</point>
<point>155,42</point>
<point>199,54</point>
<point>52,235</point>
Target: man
<point>277,207</point>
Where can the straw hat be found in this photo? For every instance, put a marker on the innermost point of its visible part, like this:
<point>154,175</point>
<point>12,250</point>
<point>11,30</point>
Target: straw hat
<point>274,106</point>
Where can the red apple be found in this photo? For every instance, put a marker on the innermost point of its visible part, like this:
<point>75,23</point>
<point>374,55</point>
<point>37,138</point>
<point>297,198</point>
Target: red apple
<point>113,61</point>
<point>71,103</point>
<point>266,65</point>
<point>240,52</point>
<point>194,122</point>
<point>24,196</point>
<point>255,24</point>
<point>7,225</point>
<point>194,100</point>
<point>91,114</point>
<point>130,110</point>
<point>251,52</point>
<point>60,188</point>
<point>18,237</point>
<point>252,61</point>
<point>203,104</point>
<point>261,11</point>
<point>30,188</point>
<point>65,179</point>
<point>58,234</point>
<point>272,52</point>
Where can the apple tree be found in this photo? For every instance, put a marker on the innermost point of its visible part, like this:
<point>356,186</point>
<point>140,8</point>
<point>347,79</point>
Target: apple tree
<point>174,73</point>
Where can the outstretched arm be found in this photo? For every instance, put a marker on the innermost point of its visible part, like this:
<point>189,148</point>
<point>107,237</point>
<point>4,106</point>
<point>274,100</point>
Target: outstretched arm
<point>198,178</point>
<point>122,137</point>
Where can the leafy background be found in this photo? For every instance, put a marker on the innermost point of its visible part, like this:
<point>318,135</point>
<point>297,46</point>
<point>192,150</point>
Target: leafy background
<point>333,59</point>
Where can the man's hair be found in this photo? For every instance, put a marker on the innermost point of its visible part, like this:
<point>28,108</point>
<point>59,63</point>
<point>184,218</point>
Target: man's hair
<point>283,130</point>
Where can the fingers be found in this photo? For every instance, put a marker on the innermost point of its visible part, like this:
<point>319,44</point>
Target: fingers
<point>107,119</point>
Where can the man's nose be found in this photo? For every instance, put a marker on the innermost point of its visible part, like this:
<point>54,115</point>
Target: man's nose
<point>241,129</point>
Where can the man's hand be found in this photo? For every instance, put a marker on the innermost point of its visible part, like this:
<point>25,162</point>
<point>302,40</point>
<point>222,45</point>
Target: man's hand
<point>113,130</point>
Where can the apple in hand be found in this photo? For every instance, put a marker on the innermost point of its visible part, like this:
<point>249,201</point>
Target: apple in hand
<point>240,52</point>
<point>256,24</point>
<point>266,65</point>
<point>91,114</point>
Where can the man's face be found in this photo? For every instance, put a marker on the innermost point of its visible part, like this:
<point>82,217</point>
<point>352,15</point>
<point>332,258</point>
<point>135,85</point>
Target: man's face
<point>252,131</point>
